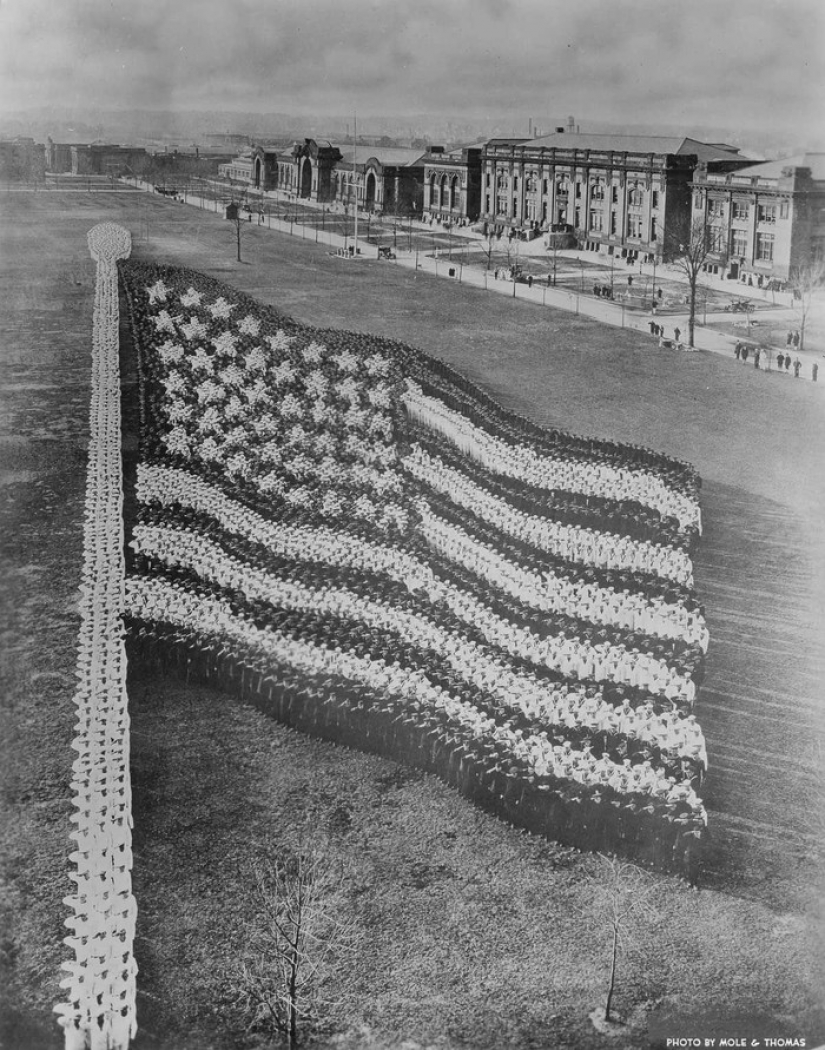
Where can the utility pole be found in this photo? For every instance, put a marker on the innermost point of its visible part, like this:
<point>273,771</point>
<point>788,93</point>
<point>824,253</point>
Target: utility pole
<point>355,174</point>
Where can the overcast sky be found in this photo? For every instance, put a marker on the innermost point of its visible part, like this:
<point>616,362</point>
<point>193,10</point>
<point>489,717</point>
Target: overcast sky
<point>737,63</point>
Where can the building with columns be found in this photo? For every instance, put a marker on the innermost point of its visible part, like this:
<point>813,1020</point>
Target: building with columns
<point>762,220</point>
<point>627,195</point>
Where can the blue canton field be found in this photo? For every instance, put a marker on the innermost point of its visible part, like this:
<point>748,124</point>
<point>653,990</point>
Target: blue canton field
<point>473,934</point>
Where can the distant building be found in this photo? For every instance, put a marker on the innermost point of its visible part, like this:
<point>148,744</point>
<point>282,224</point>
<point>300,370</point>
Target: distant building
<point>100,158</point>
<point>226,142</point>
<point>22,160</point>
<point>255,167</point>
<point>763,219</point>
<point>58,156</point>
<point>452,184</point>
<point>626,195</point>
<point>196,162</point>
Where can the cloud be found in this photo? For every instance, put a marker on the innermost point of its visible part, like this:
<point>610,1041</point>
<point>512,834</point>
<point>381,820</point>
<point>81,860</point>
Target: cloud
<point>742,62</point>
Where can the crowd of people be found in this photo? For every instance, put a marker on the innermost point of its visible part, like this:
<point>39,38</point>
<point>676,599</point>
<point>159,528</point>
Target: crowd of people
<point>515,456</point>
<point>412,710</point>
<point>503,618</point>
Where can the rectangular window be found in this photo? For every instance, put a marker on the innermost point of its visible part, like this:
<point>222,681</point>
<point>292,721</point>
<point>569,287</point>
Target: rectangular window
<point>614,194</point>
<point>740,210</point>
<point>654,231</point>
<point>784,208</point>
<point>655,200</point>
<point>764,247</point>
<point>715,209</point>
<point>739,243</point>
<point>766,213</point>
<point>597,221</point>
<point>578,190</point>
<point>614,223</point>
<point>634,226</point>
<point>546,187</point>
<point>716,238</point>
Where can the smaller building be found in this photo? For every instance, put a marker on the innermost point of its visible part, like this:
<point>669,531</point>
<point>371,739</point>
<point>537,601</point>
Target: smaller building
<point>256,167</point>
<point>99,158</point>
<point>386,180</point>
<point>762,220</point>
<point>452,185</point>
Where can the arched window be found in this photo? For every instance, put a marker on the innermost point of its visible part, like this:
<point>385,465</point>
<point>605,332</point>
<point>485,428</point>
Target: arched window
<point>454,192</point>
<point>635,195</point>
<point>434,202</point>
<point>445,191</point>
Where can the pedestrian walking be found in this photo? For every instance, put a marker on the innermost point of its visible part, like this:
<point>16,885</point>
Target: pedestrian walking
<point>814,371</point>
<point>780,361</point>
<point>737,350</point>
<point>756,355</point>
<point>796,366</point>
<point>787,362</point>
<point>677,333</point>
<point>744,353</point>
<point>789,339</point>
<point>796,340</point>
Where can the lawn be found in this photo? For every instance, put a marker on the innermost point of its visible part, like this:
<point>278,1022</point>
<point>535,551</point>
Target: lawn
<point>473,933</point>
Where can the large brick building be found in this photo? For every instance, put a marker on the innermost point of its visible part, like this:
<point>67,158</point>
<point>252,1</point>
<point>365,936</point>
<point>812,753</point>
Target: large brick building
<point>622,194</point>
<point>763,220</point>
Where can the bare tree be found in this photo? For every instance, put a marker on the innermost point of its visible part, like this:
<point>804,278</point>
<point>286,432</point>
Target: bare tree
<point>805,281</point>
<point>295,941</point>
<point>488,244</point>
<point>621,905</point>
<point>513,250</point>
<point>690,255</point>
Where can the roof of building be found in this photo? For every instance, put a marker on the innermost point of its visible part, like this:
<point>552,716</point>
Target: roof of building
<point>678,145</point>
<point>453,156</point>
<point>388,156</point>
<point>772,169</point>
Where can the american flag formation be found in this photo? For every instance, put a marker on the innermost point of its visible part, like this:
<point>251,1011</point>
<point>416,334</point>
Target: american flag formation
<point>349,533</point>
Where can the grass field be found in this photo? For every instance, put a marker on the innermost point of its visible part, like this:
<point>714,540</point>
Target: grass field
<point>474,934</point>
